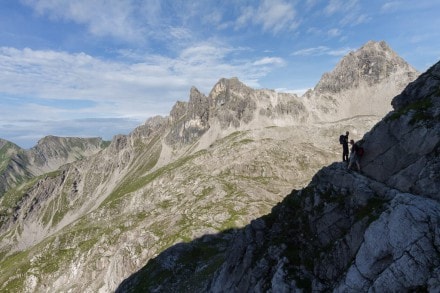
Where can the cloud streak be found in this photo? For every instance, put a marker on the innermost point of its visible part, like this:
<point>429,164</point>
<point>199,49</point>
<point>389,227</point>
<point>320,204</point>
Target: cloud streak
<point>322,50</point>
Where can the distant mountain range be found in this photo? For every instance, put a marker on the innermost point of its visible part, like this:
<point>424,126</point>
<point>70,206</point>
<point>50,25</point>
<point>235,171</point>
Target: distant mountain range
<point>18,165</point>
<point>81,215</point>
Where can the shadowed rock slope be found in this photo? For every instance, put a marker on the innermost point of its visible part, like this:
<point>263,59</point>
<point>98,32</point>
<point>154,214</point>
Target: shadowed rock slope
<point>346,231</point>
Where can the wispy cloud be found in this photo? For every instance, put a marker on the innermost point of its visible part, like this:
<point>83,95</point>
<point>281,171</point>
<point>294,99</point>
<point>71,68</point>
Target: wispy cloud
<point>311,4</point>
<point>350,10</point>
<point>322,50</point>
<point>274,16</point>
<point>390,6</point>
<point>334,32</point>
<point>114,17</point>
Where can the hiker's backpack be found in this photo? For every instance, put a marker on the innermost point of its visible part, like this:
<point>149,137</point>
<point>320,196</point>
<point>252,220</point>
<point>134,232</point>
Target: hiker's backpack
<point>341,139</point>
<point>360,151</point>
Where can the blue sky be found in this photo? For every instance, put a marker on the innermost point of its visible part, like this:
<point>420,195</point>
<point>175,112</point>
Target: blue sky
<point>102,67</point>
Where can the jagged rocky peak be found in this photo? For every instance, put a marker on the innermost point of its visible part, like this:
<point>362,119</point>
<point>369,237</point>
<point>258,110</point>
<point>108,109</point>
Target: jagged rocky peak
<point>153,126</point>
<point>189,120</point>
<point>234,102</point>
<point>372,63</point>
<point>198,106</point>
<point>156,122</point>
<point>225,89</point>
<point>230,103</point>
<point>178,111</point>
<point>362,83</point>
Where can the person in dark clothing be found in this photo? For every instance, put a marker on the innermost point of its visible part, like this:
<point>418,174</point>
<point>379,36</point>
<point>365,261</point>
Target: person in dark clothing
<point>345,147</point>
<point>354,156</point>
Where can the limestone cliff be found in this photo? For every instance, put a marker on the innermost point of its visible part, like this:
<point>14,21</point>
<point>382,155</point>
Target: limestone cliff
<point>375,231</point>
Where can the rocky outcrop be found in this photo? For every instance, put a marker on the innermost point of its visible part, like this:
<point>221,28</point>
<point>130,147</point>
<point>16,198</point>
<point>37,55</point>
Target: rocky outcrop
<point>375,231</point>
<point>404,149</point>
<point>189,121</point>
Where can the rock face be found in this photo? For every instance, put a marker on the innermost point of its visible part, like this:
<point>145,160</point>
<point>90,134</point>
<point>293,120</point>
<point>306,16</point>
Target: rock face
<point>415,118</point>
<point>217,162</point>
<point>375,231</point>
<point>48,155</point>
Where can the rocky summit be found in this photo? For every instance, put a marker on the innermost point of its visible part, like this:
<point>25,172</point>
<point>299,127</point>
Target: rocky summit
<point>178,192</point>
<point>359,84</point>
<point>372,231</point>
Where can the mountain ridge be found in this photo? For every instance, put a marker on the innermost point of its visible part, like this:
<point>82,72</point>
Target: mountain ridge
<point>345,232</point>
<point>215,163</point>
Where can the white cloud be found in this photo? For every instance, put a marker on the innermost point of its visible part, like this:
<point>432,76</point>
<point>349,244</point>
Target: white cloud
<point>270,61</point>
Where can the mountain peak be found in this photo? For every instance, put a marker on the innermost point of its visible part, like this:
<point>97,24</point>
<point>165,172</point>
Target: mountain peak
<point>4,142</point>
<point>48,140</point>
<point>379,46</point>
<point>226,85</point>
<point>371,64</point>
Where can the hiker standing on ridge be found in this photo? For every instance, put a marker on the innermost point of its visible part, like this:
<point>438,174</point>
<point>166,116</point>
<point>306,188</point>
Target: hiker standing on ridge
<point>355,155</point>
<point>343,139</point>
